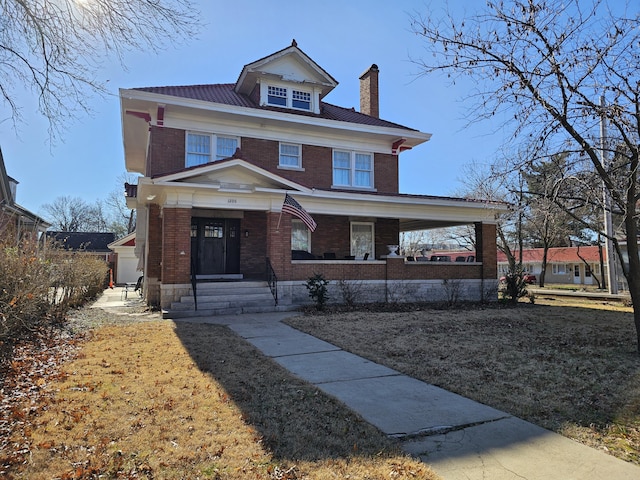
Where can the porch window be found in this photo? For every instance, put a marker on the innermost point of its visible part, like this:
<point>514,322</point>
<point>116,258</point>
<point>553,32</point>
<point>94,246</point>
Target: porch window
<point>300,236</point>
<point>290,155</point>
<point>558,268</point>
<point>596,268</point>
<point>362,236</point>
<point>352,169</point>
<point>200,148</point>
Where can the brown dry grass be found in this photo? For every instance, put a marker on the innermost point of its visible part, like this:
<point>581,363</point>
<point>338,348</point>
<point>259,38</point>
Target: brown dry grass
<point>573,369</point>
<point>154,399</point>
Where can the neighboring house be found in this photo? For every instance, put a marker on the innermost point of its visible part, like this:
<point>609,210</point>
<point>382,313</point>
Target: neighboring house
<point>90,243</point>
<point>126,268</point>
<point>13,216</point>
<point>218,161</point>
<point>566,265</point>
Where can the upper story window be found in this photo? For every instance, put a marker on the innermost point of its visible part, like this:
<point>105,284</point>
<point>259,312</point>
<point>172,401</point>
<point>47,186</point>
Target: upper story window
<point>203,148</point>
<point>288,97</point>
<point>352,169</point>
<point>290,155</point>
<point>277,96</point>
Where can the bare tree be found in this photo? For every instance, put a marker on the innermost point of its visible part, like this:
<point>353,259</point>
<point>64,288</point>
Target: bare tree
<point>546,65</point>
<point>70,214</point>
<point>55,48</point>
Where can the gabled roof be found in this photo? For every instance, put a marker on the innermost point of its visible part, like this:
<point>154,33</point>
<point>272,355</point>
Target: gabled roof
<point>126,241</point>
<point>232,173</point>
<point>6,196</point>
<point>94,242</point>
<point>288,64</point>
<point>224,93</point>
<point>558,255</point>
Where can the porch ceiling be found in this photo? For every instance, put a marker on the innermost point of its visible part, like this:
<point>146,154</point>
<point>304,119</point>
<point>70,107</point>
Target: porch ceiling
<point>412,225</point>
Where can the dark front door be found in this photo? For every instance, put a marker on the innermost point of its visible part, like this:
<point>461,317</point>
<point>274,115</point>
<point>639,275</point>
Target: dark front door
<point>215,245</point>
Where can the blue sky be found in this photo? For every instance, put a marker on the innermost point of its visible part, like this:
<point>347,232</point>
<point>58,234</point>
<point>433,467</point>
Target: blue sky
<point>343,37</point>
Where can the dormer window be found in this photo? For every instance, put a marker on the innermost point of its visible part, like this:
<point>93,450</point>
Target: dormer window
<point>301,100</point>
<point>288,97</point>
<point>277,96</point>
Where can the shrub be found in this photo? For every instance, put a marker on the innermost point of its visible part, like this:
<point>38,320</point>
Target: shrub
<point>39,284</point>
<point>514,285</point>
<point>317,286</point>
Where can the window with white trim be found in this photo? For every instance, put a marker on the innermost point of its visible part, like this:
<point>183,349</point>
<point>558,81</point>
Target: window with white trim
<point>277,96</point>
<point>352,169</point>
<point>290,155</point>
<point>596,268</point>
<point>203,148</point>
<point>286,97</point>
<point>300,236</point>
<point>558,268</point>
<point>362,239</point>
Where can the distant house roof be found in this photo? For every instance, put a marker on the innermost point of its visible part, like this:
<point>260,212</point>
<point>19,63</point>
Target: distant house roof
<point>8,202</point>
<point>225,93</point>
<point>93,242</point>
<point>557,255</point>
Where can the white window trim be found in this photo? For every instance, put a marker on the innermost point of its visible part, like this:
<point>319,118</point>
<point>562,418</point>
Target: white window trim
<point>352,167</point>
<point>372,253</point>
<point>313,94</point>
<point>558,269</point>
<point>213,155</point>
<point>298,168</point>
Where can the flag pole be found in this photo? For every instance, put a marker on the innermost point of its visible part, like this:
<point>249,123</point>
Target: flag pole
<point>280,217</point>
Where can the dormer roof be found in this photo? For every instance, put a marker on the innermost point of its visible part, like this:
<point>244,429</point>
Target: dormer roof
<point>288,65</point>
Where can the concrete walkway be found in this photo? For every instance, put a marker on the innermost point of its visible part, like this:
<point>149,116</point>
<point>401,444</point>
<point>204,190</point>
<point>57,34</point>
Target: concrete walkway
<point>459,438</point>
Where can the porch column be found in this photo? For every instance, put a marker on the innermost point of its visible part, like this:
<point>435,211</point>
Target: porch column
<point>176,245</point>
<point>279,244</point>
<point>486,249</point>
<point>153,256</point>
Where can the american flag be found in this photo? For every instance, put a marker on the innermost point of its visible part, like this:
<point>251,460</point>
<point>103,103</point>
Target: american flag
<point>294,208</point>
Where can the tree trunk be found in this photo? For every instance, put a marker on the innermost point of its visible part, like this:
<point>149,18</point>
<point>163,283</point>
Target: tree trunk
<point>633,272</point>
<point>543,271</point>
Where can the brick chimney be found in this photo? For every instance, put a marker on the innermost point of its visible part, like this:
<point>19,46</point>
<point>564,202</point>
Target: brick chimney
<point>369,103</point>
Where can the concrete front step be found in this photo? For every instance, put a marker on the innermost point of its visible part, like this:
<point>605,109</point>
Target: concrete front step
<point>226,298</point>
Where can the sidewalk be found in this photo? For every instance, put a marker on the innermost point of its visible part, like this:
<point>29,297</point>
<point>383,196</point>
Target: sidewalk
<point>459,438</point>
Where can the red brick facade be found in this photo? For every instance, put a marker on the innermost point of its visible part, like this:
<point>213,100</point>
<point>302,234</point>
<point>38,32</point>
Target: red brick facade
<point>167,148</point>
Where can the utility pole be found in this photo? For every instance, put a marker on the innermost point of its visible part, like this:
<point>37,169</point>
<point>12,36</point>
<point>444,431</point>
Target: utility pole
<point>612,282</point>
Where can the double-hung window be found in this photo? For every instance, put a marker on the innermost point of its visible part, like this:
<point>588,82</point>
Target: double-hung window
<point>203,148</point>
<point>352,169</point>
<point>290,155</point>
<point>362,239</point>
<point>277,96</point>
<point>288,97</point>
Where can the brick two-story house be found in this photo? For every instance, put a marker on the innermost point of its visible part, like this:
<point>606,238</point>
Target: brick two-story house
<point>218,160</point>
